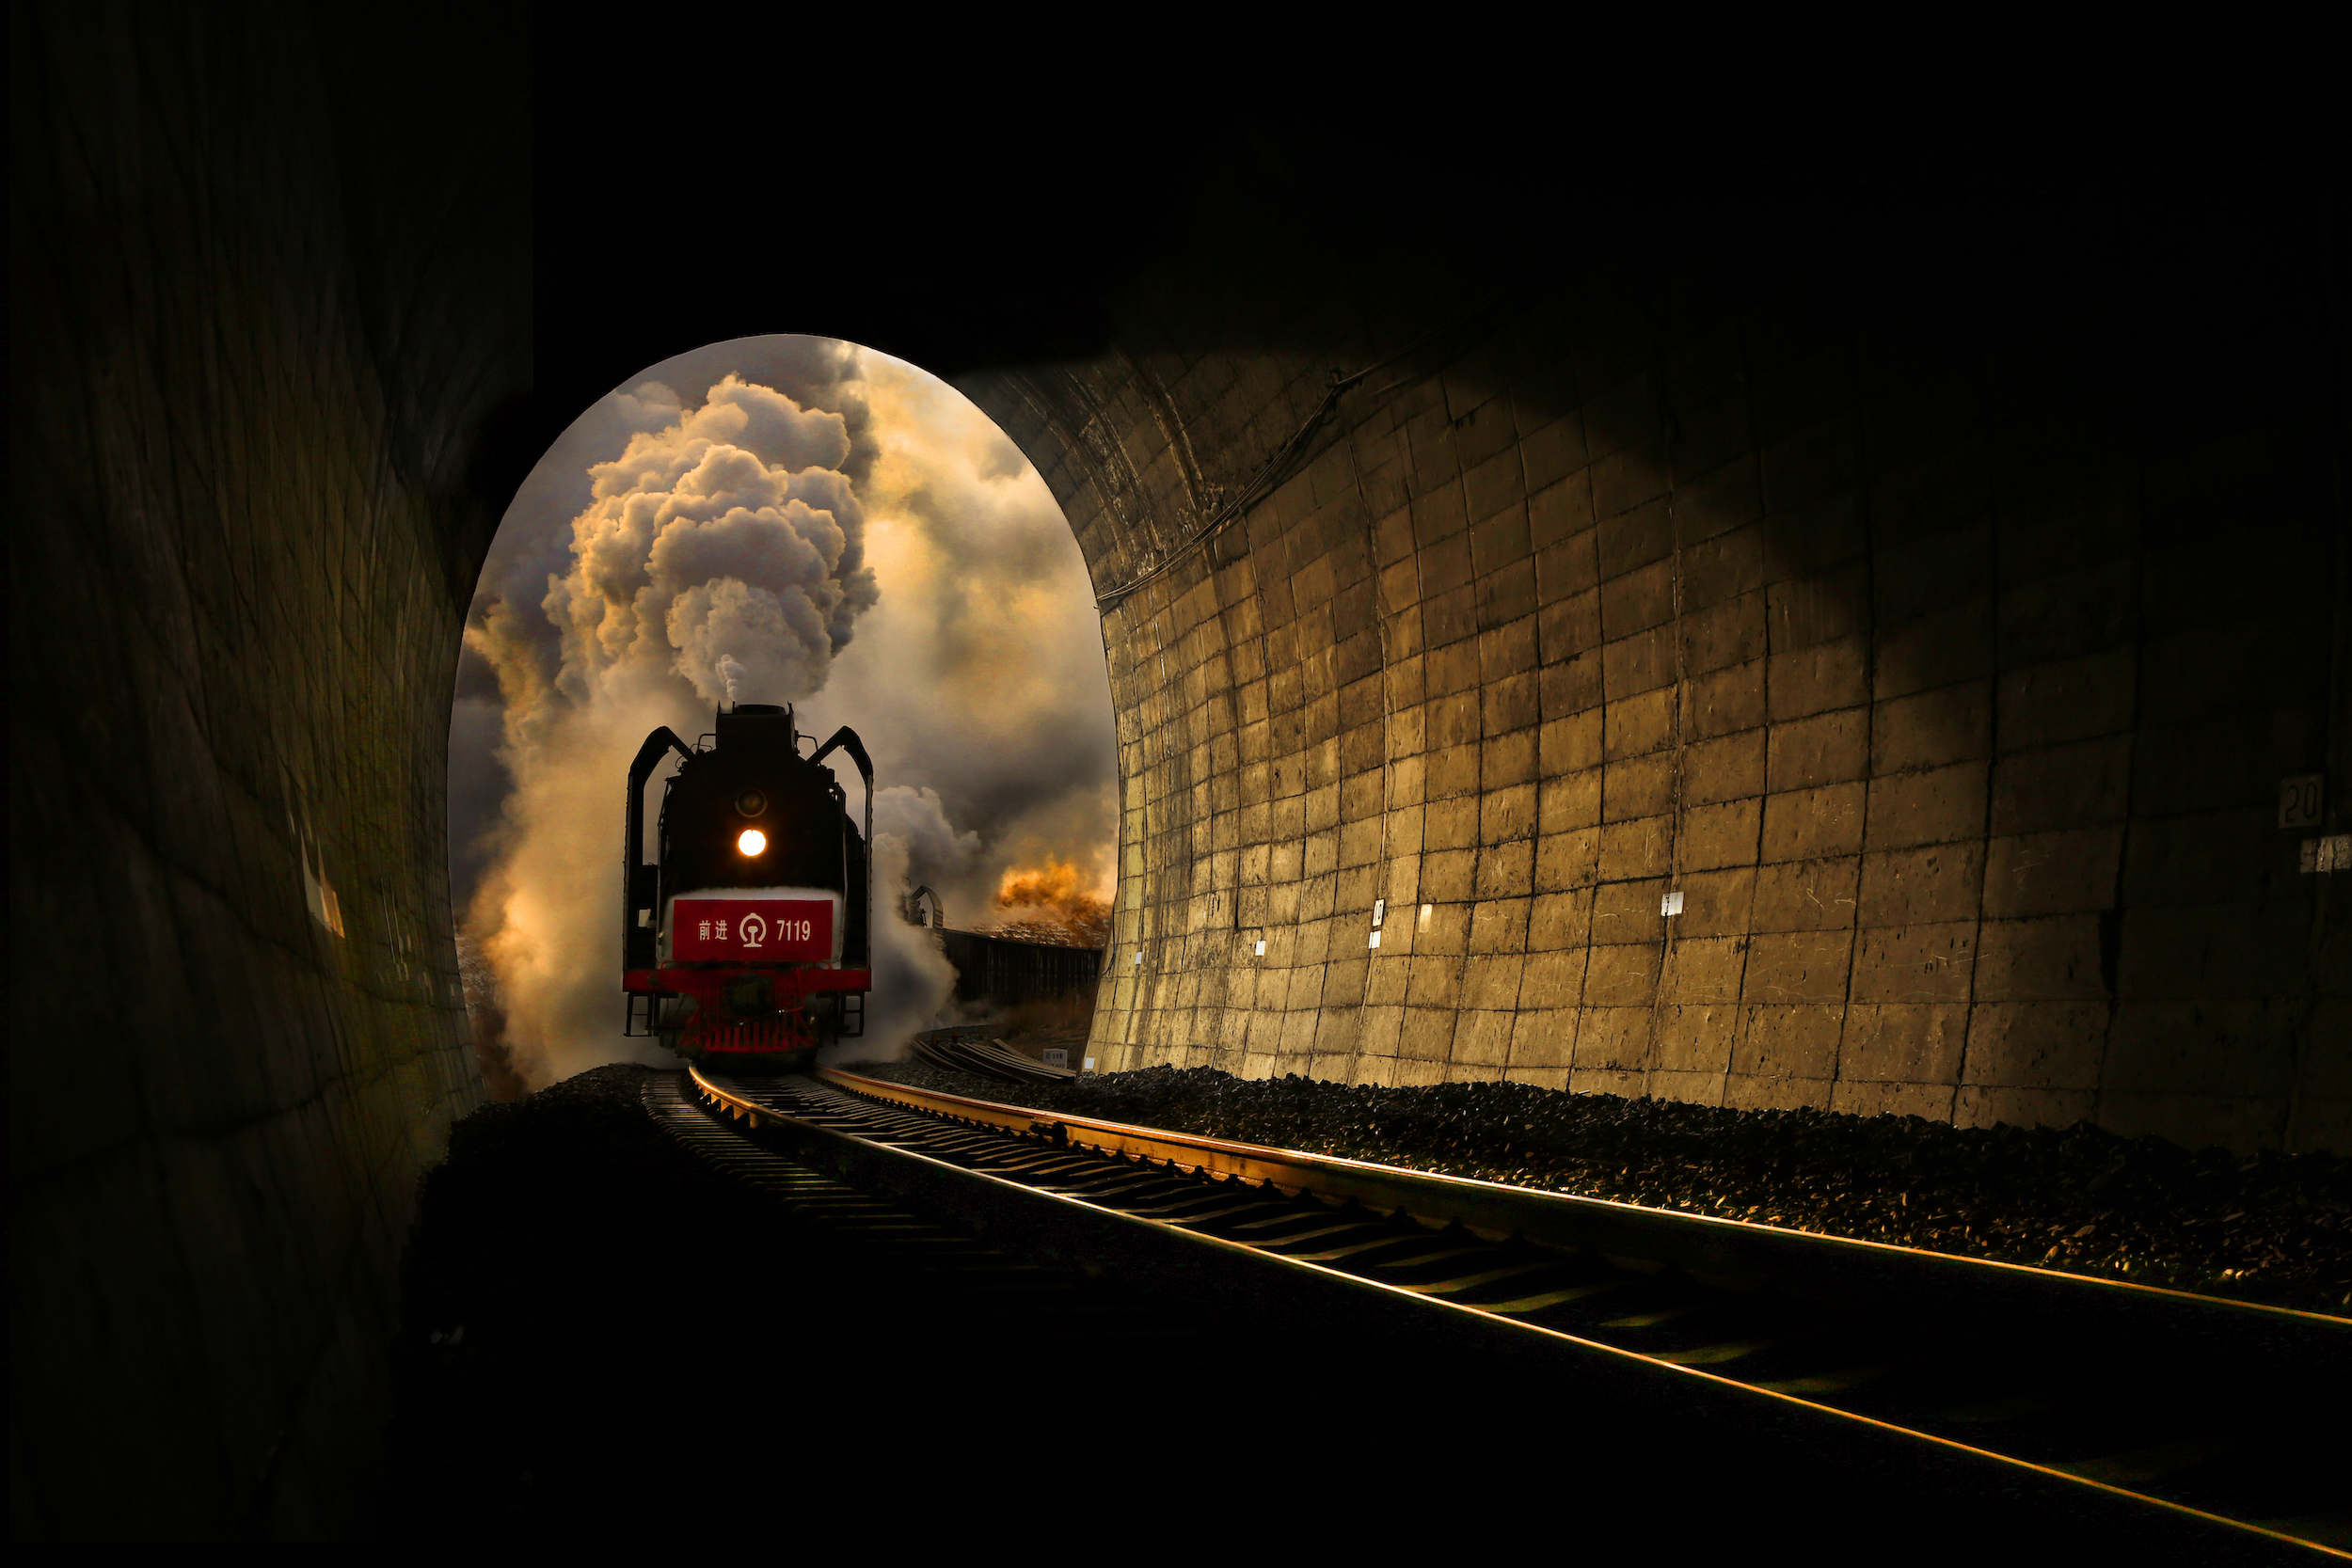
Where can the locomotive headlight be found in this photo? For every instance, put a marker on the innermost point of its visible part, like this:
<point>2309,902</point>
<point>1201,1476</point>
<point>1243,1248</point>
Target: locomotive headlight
<point>753,841</point>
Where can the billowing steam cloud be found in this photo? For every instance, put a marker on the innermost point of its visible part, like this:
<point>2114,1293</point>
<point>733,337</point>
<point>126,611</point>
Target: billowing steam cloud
<point>913,979</point>
<point>723,549</point>
<point>675,552</point>
<point>935,853</point>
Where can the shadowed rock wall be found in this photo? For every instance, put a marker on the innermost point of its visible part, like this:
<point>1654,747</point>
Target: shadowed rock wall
<point>261,316</point>
<point>1935,611</point>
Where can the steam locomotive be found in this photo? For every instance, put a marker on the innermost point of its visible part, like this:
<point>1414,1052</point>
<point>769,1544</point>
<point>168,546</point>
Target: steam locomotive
<point>748,942</point>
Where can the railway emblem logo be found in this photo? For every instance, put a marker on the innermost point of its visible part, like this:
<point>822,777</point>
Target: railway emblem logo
<point>755,930</point>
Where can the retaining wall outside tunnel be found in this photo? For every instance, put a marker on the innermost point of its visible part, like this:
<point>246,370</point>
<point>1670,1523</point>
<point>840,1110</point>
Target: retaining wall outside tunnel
<point>1942,646</point>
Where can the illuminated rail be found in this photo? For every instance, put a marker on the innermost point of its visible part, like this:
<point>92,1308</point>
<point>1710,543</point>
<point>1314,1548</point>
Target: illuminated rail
<point>1726,1319</point>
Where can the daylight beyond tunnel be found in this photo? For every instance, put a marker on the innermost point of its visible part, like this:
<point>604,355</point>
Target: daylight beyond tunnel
<point>774,520</point>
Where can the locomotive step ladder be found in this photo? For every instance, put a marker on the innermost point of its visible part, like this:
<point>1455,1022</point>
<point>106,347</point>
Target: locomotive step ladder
<point>640,1019</point>
<point>852,1015</point>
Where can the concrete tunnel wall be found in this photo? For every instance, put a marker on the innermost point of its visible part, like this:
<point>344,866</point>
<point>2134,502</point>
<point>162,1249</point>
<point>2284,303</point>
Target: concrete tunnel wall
<point>254,351</point>
<point>1943,647</point>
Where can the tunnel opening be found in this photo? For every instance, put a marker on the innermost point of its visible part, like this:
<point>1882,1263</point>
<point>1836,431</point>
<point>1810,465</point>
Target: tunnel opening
<point>776,519</point>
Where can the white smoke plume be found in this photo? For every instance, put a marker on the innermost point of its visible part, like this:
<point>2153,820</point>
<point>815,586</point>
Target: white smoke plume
<point>934,852</point>
<point>914,985</point>
<point>727,535</point>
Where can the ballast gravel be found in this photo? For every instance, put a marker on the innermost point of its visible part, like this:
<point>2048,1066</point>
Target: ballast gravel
<point>2270,1228</point>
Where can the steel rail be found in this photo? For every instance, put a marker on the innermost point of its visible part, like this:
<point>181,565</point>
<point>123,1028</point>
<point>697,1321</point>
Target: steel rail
<point>888,1236</point>
<point>1112,1195</point>
<point>1838,1271</point>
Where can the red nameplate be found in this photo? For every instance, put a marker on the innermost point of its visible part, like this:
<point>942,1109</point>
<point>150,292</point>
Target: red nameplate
<point>750,931</point>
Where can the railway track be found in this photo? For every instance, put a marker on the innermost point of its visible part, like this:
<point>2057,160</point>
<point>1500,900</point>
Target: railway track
<point>2179,1422</point>
<point>964,1276</point>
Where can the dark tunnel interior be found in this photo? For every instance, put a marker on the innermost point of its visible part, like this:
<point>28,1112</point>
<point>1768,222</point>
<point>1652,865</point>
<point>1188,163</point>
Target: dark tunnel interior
<point>1991,484</point>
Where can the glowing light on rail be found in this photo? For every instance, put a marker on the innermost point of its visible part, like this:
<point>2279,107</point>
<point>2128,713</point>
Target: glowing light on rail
<point>753,841</point>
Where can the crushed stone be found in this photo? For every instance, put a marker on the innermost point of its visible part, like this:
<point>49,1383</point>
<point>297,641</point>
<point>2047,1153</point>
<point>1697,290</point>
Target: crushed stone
<point>2268,1228</point>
